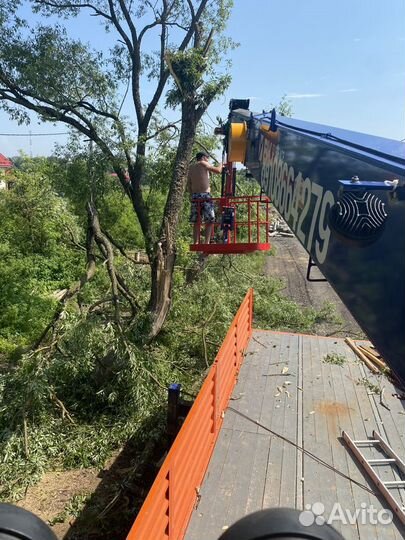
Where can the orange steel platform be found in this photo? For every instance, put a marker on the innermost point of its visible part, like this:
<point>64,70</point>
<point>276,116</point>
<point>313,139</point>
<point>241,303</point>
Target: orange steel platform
<point>227,461</point>
<point>170,502</point>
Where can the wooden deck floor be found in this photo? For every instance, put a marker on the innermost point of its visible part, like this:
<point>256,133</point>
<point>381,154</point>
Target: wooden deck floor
<point>287,387</point>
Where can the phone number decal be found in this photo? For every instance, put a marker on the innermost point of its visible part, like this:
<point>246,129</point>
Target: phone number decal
<point>303,204</point>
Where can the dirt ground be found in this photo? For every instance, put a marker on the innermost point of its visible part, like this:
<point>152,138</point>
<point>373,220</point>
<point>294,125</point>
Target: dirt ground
<point>88,504</point>
<point>290,264</point>
<point>50,498</point>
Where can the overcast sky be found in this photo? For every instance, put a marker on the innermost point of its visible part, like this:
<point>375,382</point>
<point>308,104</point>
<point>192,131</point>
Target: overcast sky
<point>341,63</point>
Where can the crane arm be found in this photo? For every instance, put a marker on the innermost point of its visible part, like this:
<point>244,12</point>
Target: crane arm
<point>343,195</point>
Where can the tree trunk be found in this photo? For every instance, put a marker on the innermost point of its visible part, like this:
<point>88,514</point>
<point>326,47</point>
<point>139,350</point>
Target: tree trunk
<point>136,174</point>
<point>165,248</point>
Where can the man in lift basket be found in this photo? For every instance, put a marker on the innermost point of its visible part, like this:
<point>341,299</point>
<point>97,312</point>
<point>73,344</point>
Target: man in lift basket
<point>198,185</point>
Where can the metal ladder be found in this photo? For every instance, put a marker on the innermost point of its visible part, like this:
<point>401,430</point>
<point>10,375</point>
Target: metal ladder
<point>368,464</point>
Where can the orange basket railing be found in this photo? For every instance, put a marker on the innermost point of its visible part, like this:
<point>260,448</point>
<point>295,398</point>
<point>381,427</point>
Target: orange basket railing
<point>167,509</point>
<point>249,228</point>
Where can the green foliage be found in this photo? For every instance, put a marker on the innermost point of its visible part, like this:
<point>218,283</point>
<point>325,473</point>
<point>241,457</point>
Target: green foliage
<point>334,358</point>
<point>33,216</point>
<point>118,218</point>
<point>79,174</point>
<point>284,107</point>
<point>189,69</point>
<point>71,405</point>
<point>111,383</point>
<point>54,68</point>
<point>72,509</point>
<point>35,256</point>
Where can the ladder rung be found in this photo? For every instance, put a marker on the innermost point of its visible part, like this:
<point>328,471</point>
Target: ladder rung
<point>368,441</point>
<point>380,461</point>
<point>394,483</point>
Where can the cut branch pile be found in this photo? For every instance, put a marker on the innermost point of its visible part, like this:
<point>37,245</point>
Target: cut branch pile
<point>370,357</point>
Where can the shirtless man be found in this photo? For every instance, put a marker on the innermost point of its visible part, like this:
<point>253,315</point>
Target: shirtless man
<point>199,188</point>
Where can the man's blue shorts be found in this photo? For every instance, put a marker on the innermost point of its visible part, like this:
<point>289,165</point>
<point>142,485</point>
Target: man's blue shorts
<point>206,206</point>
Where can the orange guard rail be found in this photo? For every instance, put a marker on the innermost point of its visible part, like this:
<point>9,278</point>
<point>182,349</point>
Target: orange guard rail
<point>167,509</point>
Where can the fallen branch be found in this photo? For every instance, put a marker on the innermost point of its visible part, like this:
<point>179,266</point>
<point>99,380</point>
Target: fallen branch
<point>62,407</point>
<point>99,303</point>
<point>125,291</point>
<point>382,401</point>
<point>73,240</point>
<point>105,242</point>
<point>362,357</point>
<point>42,349</point>
<point>125,343</point>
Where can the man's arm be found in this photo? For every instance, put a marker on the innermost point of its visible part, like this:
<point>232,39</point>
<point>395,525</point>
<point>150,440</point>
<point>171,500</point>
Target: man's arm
<point>212,168</point>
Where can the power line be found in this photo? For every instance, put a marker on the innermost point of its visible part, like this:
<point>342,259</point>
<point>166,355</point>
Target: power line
<point>34,134</point>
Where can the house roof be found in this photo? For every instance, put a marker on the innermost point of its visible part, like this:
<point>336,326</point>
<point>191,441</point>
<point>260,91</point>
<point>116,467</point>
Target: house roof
<point>5,163</point>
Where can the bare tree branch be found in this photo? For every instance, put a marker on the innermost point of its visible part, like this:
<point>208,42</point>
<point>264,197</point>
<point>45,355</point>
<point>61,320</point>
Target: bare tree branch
<point>148,27</point>
<point>130,23</point>
<point>91,108</point>
<point>70,5</point>
<point>62,113</point>
<point>164,73</point>
<point>164,128</point>
<point>195,20</point>
<point>121,248</point>
<point>120,30</point>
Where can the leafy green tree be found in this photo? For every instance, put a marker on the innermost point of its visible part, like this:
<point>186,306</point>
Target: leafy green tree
<point>62,79</point>
<point>36,260</point>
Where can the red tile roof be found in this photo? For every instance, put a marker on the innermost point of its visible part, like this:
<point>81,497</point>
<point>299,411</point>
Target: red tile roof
<point>5,163</point>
